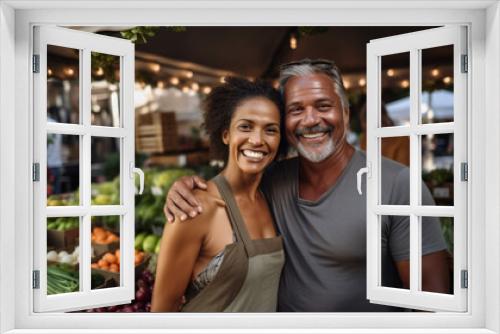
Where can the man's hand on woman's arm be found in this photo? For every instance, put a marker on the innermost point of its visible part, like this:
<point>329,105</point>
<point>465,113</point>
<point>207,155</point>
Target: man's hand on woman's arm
<point>180,201</point>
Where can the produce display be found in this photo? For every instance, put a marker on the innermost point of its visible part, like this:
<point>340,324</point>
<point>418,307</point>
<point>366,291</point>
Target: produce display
<point>63,224</point>
<point>61,279</point>
<point>62,243</point>
<point>147,242</point>
<point>63,256</point>
<point>144,285</point>
<point>109,262</point>
<point>103,236</point>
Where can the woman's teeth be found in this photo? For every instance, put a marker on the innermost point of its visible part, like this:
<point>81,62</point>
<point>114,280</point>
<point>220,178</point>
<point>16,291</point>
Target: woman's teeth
<point>312,135</point>
<point>253,154</point>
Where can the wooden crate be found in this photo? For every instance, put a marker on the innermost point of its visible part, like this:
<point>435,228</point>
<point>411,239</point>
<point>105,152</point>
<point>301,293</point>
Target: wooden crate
<point>156,132</point>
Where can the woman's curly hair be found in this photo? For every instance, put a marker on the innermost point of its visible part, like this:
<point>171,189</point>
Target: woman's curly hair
<point>220,105</point>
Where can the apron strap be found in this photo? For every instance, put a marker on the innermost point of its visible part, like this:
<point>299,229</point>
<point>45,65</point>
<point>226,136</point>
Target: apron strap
<point>233,211</point>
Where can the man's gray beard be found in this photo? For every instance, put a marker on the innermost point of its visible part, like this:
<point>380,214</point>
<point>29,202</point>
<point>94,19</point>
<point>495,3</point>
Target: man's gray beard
<point>317,157</point>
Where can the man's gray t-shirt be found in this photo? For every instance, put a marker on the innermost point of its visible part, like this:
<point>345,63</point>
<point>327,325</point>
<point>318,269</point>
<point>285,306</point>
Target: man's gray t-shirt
<point>325,240</point>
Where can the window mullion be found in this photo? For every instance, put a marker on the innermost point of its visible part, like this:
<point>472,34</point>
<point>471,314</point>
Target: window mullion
<point>85,245</point>
<point>415,178</point>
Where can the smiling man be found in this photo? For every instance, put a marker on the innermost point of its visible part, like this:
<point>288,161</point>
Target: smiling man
<point>318,211</point>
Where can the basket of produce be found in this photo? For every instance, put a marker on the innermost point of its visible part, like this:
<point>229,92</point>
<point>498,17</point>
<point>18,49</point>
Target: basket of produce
<point>109,264</point>
<point>104,241</point>
<point>62,233</point>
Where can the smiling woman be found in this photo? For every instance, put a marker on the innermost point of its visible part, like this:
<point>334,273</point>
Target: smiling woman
<point>228,258</point>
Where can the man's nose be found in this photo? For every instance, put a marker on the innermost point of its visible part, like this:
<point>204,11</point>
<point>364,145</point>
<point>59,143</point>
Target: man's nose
<point>310,117</point>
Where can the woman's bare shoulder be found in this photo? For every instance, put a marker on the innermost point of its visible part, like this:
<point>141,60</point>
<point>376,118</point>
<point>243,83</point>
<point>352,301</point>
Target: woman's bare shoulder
<point>210,198</point>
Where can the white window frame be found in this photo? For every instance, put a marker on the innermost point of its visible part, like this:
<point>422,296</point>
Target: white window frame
<point>413,44</point>
<point>85,43</point>
<point>16,21</point>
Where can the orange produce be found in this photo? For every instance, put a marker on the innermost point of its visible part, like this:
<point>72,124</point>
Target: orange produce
<point>102,263</point>
<point>102,236</point>
<point>138,258</point>
<point>114,268</point>
<point>109,258</point>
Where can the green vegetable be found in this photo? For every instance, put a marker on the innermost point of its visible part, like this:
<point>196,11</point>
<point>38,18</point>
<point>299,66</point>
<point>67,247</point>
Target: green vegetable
<point>157,248</point>
<point>149,243</point>
<point>139,239</point>
<point>61,280</point>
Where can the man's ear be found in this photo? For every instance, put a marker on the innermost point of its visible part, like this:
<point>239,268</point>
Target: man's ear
<point>225,137</point>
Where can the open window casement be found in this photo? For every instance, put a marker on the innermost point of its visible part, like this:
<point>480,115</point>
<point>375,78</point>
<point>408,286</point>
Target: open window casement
<point>65,213</point>
<point>420,125</point>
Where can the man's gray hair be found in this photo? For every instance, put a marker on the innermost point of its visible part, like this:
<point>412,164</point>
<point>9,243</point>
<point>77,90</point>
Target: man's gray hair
<point>308,67</point>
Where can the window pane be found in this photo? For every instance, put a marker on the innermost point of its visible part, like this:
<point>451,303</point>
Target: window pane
<point>63,169</point>
<point>437,236</point>
<point>63,255</point>
<point>105,237</point>
<point>437,85</point>
<point>105,176</point>
<point>395,247</point>
<point>395,181</point>
<point>395,83</point>
<point>63,86</point>
<point>105,90</point>
<point>437,169</point>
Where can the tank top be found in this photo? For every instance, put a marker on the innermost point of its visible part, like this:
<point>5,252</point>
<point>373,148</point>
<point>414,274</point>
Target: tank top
<point>248,277</point>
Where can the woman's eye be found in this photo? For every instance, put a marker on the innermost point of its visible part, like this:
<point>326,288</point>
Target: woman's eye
<point>272,130</point>
<point>295,110</point>
<point>244,127</point>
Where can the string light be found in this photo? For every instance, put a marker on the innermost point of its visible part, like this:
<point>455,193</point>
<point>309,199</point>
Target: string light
<point>174,81</point>
<point>195,87</point>
<point>207,90</point>
<point>276,84</point>
<point>435,72</point>
<point>49,72</point>
<point>405,84</point>
<point>447,80</point>
<point>189,74</point>
<point>362,82</point>
<point>222,79</point>
<point>99,71</point>
<point>347,84</point>
<point>293,42</point>
<point>185,89</point>
<point>160,85</point>
<point>69,71</point>
<point>390,72</point>
<point>156,67</point>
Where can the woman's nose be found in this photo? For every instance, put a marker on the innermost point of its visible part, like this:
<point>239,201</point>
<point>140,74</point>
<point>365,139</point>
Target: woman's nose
<point>255,138</point>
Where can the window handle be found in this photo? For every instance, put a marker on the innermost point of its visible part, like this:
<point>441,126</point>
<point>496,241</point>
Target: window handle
<point>134,170</point>
<point>365,170</point>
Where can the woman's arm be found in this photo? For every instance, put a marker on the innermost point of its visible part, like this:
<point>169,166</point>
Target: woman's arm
<point>179,250</point>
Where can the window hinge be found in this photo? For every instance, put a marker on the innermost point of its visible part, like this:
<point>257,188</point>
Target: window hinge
<point>36,279</point>
<point>464,168</point>
<point>465,66</point>
<point>465,279</point>
<point>36,63</point>
<point>36,172</point>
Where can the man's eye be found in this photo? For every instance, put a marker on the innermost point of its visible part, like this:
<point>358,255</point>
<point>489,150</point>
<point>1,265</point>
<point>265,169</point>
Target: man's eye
<point>295,110</point>
<point>324,106</point>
